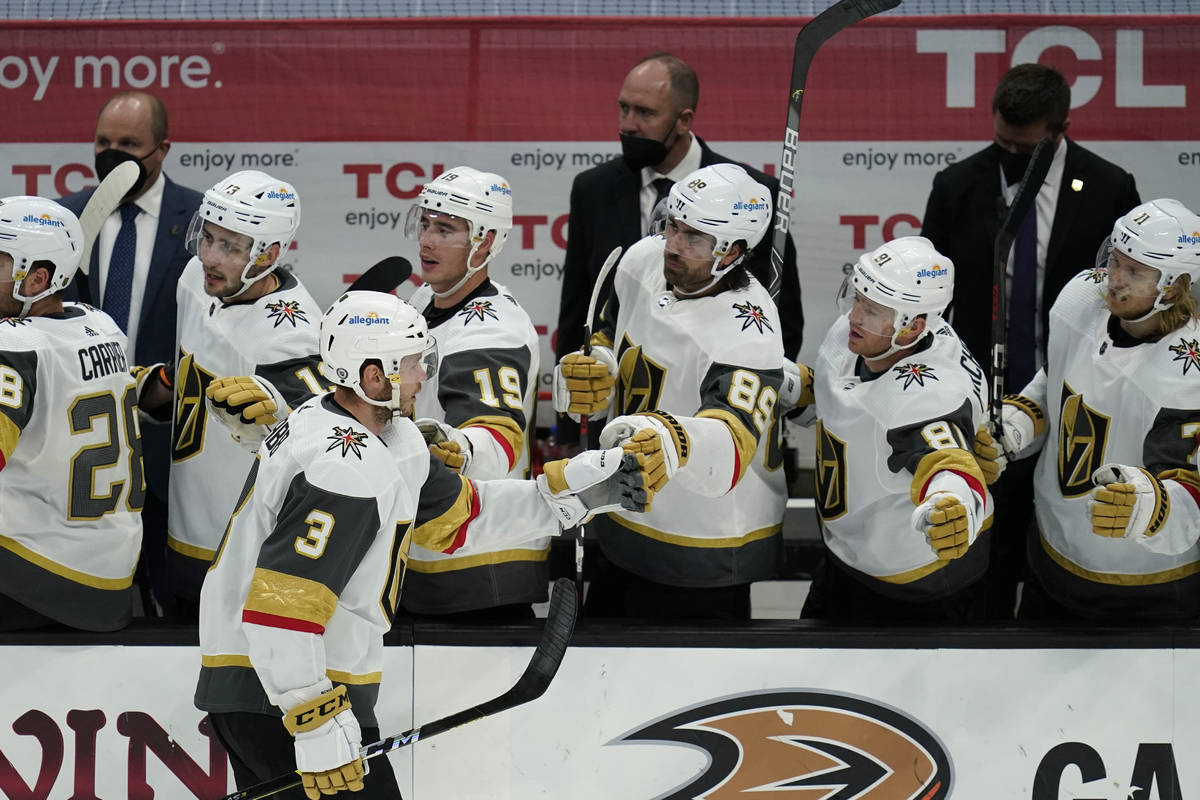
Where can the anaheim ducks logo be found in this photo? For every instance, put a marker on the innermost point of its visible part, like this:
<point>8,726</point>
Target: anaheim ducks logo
<point>1082,436</point>
<point>804,745</point>
<point>641,379</point>
<point>831,474</point>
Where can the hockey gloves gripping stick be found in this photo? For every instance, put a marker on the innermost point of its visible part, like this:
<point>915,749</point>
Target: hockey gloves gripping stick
<point>819,30</point>
<point>556,635</point>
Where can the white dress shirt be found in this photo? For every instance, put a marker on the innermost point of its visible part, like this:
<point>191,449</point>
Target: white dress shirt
<point>146,224</point>
<point>689,164</point>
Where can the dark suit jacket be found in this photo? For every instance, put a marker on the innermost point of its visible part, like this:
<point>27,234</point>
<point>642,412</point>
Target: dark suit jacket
<point>605,213</point>
<point>963,216</point>
<point>156,327</point>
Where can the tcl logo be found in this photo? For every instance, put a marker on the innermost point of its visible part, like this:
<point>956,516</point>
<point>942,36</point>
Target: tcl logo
<point>890,229</point>
<point>403,180</point>
<point>66,179</point>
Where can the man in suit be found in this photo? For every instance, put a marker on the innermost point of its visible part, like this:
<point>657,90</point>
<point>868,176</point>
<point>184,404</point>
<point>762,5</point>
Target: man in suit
<point>1076,206</point>
<point>612,203</point>
<point>138,258</point>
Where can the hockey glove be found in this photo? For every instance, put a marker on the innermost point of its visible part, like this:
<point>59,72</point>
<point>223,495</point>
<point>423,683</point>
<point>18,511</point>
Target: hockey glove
<point>155,387</point>
<point>949,516</point>
<point>673,441</point>
<point>247,405</point>
<point>1024,426</point>
<point>583,385</point>
<point>988,455</point>
<point>598,481</point>
<point>328,741</point>
<point>797,388</point>
<point>448,443</point>
<point>1129,502</point>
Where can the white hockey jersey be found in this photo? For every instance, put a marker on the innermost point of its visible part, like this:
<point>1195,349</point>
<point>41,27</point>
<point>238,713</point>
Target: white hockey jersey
<point>1136,405</point>
<point>313,557</point>
<point>878,444</point>
<point>71,481</point>
<point>275,337</point>
<point>714,358</point>
<point>486,384</point>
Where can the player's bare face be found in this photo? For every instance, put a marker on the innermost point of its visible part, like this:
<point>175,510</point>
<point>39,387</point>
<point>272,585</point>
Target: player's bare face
<point>444,241</point>
<point>224,254</point>
<point>687,257</point>
<point>9,307</point>
<point>1130,287</point>
<point>871,327</point>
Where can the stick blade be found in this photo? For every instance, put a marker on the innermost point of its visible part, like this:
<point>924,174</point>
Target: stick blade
<point>102,204</point>
<point>383,276</point>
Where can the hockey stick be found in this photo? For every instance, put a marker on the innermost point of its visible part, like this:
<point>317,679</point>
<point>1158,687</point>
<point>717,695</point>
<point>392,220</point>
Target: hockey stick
<point>1022,204</point>
<point>102,204</point>
<point>383,276</point>
<point>556,635</point>
<point>601,277</point>
<point>819,29</point>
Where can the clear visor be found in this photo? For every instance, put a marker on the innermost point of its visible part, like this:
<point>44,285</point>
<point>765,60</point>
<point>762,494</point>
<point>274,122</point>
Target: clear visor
<point>864,314</point>
<point>215,244</point>
<point>417,367</point>
<point>687,242</point>
<point>436,228</point>
<point>1127,278</point>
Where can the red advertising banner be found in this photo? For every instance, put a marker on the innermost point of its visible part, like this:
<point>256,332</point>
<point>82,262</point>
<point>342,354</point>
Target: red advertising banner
<point>900,78</point>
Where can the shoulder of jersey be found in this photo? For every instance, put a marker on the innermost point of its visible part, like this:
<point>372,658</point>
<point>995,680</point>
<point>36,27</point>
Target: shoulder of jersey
<point>494,320</point>
<point>290,308</point>
<point>1177,359</point>
<point>1081,297</point>
<point>34,332</point>
<point>643,260</point>
<point>925,384</point>
<point>337,452</point>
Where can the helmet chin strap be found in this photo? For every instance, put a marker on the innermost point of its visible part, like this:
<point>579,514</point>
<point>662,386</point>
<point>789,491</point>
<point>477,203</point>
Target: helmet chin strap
<point>895,346</point>
<point>392,403</point>
<point>247,282</point>
<point>471,271</point>
<point>717,276</point>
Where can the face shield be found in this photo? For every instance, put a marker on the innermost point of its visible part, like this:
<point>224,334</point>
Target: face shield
<point>687,242</point>
<point>1127,279</point>
<point>866,315</point>
<point>436,228</point>
<point>213,244</point>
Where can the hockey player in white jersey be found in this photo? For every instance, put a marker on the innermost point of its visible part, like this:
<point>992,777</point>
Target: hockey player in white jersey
<point>1116,492</point>
<point>307,578</point>
<point>691,341</point>
<point>478,411</point>
<point>901,499</point>
<point>239,314</point>
<point>71,482</point>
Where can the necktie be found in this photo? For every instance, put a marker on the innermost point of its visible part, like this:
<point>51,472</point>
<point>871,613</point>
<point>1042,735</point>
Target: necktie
<point>662,187</point>
<point>1022,308</point>
<point>119,283</point>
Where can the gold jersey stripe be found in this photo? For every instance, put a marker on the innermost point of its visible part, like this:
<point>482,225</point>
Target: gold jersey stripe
<point>190,550</point>
<point>334,675</point>
<point>9,433</point>
<point>745,441</point>
<point>482,559</point>
<point>440,532</point>
<point>284,595</point>
<point>692,541</point>
<point>951,458</point>
<point>600,339</point>
<point>504,427</point>
<point>63,571</point>
<point>1116,579</point>
<point>920,572</point>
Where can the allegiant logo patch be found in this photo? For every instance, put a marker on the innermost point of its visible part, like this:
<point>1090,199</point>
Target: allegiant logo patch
<point>936,272</point>
<point>502,188</point>
<point>372,318</point>
<point>1193,239</point>
<point>753,204</point>
<point>281,194</point>
<point>44,219</point>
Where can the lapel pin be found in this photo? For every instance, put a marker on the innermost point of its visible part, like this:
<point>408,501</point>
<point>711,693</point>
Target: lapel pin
<point>175,228</point>
<point>1076,185</point>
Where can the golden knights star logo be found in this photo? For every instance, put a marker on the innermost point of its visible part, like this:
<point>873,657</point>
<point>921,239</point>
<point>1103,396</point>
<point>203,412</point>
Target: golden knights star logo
<point>286,311</point>
<point>477,310</point>
<point>1187,351</point>
<point>1096,275</point>
<point>751,314</point>
<point>350,440</point>
<point>1082,436</point>
<point>914,373</point>
<point>13,321</point>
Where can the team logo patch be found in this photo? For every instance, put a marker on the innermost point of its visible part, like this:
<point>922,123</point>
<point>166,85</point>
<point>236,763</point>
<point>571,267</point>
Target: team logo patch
<point>751,314</point>
<point>1096,275</point>
<point>1082,438</point>
<point>478,309</point>
<point>1187,351</point>
<point>350,440</point>
<point>831,474</point>
<point>804,744</point>
<point>286,311</point>
<point>13,321</point>
<point>914,373</point>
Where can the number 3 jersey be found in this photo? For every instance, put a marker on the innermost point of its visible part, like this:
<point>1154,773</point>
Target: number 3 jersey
<point>274,337</point>
<point>486,384</point>
<point>879,442</point>
<point>713,364</point>
<point>1136,405</point>
<point>71,484</point>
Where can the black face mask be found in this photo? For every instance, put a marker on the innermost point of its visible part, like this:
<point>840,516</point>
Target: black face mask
<point>108,160</point>
<point>1012,164</point>
<point>638,151</point>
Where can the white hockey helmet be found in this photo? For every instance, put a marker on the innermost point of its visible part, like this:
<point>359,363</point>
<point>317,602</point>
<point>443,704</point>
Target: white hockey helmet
<point>34,229</point>
<point>906,275</point>
<point>1162,234</point>
<point>366,326</point>
<point>253,204</point>
<point>483,199</point>
<point>723,201</point>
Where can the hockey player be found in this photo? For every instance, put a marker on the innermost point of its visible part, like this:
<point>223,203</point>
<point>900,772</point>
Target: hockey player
<point>478,411</point>
<point>304,585</point>
<point>1117,496</point>
<point>690,340</point>
<point>901,499</point>
<point>71,483</point>
<point>238,315</point>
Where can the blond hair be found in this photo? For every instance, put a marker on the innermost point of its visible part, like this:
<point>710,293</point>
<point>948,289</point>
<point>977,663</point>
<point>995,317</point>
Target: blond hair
<point>1182,311</point>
